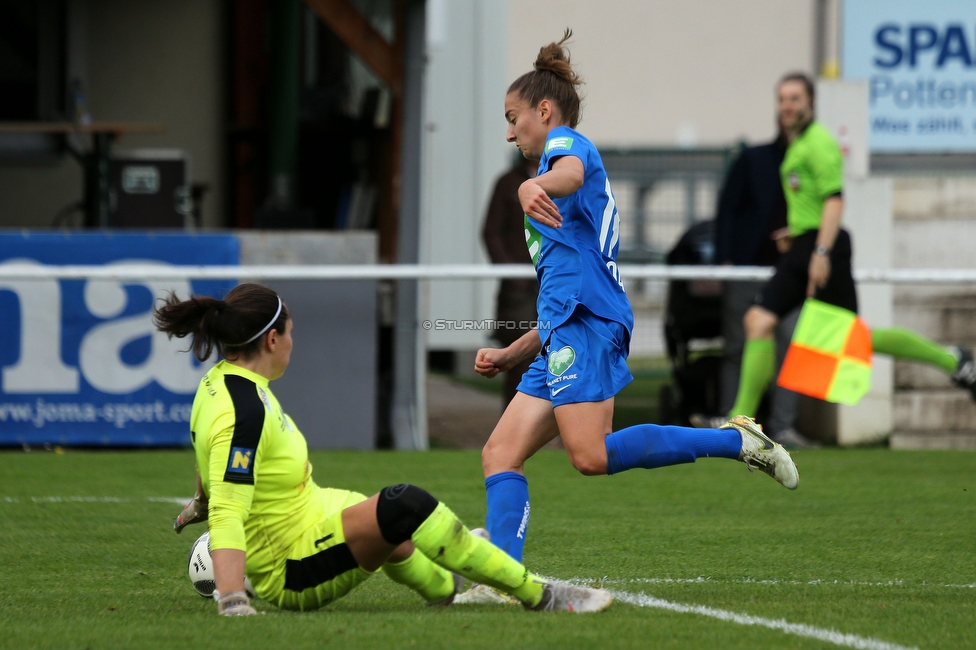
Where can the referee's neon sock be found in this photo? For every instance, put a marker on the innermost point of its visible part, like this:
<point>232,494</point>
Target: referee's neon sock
<point>906,344</point>
<point>431,581</point>
<point>758,368</point>
<point>652,445</point>
<point>445,540</point>
<point>507,520</point>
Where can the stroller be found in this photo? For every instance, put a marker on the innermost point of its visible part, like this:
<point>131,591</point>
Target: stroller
<point>692,332</point>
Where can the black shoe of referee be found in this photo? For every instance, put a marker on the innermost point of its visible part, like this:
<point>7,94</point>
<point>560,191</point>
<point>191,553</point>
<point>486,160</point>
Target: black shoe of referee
<point>965,374</point>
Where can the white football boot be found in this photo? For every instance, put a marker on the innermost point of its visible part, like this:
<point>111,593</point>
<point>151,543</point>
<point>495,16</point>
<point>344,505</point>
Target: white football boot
<point>480,594</point>
<point>760,452</point>
<point>563,597</point>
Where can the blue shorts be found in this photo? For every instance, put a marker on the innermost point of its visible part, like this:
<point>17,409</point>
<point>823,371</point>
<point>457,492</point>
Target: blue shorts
<point>584,360</point>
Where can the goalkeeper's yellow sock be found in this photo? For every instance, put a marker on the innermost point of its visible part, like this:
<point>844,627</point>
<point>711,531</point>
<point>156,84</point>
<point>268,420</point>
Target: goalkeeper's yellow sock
<point>445,540</point>
<point>432,582</point>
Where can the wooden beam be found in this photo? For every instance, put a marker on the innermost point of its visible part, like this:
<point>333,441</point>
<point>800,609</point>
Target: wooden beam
<point>354,30</point>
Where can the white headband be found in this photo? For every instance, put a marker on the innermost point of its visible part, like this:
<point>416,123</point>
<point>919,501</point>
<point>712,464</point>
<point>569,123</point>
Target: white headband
<point>264,329</point>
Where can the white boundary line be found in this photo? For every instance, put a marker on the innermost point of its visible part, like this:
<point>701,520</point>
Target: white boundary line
<point>754,581</point>
<point>178,500</point>
<point>798,629</point>
<point>639,599</point>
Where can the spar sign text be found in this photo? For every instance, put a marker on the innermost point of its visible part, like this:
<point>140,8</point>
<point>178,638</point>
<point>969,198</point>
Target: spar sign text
<point>82,363</point>
<point>919,58</point>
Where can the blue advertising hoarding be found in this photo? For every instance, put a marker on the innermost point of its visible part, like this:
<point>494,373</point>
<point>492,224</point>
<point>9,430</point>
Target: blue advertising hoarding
<point>919,58</point>
<point>82,363</point>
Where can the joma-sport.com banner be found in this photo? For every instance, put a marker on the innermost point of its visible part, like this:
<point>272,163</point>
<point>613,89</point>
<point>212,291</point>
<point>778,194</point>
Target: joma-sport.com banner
<point>81,362</point>
<point>919,58</point>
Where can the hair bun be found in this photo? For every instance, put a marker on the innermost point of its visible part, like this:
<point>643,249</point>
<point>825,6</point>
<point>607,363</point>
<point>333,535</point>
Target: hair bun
<point>554,58</point>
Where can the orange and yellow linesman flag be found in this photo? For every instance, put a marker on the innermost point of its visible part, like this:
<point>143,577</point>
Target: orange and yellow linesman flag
<point>829,356</point>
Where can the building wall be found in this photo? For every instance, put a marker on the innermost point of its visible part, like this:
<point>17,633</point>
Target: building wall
<point>664,73</point>
<point>657,73</point>
<point>464,152</point>
<point>147,61</point>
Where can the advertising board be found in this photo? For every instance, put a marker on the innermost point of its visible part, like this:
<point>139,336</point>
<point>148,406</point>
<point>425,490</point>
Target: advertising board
<point>919,59</point>
<point>82,363</point>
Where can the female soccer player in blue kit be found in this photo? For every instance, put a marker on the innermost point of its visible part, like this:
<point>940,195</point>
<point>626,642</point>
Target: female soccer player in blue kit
<point>585,321</point>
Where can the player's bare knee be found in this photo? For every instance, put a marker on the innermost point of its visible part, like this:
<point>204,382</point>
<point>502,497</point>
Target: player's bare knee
<point>497,457</point>
<point>488,457</point>
<point>589,464</point>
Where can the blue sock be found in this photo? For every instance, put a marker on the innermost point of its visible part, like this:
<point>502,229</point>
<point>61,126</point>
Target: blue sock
<point>508,511</point>
<point>652,445</point>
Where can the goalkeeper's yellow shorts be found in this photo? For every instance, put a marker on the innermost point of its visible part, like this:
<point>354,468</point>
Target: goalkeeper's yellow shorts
<point>319,568</point>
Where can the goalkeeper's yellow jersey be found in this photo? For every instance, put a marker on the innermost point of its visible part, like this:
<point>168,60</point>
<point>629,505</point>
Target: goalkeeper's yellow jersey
<point>253,462</point>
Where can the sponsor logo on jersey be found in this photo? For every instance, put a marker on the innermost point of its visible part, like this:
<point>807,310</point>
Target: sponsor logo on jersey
<point>563,142</point>
<point>561,360</point>
<point>240,460</point>
<point>794,180</point>
<point>533,240</point>
<point>286,422</point>
<point>264,398</point>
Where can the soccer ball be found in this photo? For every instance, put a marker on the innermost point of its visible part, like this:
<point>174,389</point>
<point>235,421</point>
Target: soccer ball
<point>200,568</point>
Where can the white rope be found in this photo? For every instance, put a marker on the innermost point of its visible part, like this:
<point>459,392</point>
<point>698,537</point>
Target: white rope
<point>15,271</point>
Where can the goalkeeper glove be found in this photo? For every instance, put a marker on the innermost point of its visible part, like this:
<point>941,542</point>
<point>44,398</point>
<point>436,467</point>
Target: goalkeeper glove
<point>194,512</point>
<point>235,603</point>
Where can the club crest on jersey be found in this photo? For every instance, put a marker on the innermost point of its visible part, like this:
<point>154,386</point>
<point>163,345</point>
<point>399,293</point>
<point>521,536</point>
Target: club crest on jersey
<point>561,360</point>
<point>563,142</point>
<point>794,180</point>
<point>240,460</point>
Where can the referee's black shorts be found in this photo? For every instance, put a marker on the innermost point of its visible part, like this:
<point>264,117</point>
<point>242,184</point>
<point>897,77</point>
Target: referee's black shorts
<point>787,289</point>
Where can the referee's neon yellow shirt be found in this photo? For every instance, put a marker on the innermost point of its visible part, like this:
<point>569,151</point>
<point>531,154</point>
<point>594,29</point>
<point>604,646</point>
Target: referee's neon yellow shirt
<point>812,171</point>
<point>253,464</point>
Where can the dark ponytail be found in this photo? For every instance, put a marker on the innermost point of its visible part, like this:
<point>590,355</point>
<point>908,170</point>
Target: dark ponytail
<point>234,323</point>
<point>553,79</point>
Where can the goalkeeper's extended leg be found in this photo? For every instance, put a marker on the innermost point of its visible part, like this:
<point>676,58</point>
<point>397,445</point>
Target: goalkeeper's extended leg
<point>406,512</point>
<point>437,585</point>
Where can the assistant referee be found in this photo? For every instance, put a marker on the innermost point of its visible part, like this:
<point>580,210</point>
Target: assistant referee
<point>816,261</point>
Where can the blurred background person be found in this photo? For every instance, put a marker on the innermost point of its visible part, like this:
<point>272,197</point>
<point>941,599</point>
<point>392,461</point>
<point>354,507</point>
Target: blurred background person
<point>504,235</point>
<point>751,214</point>
<point>817,253</point>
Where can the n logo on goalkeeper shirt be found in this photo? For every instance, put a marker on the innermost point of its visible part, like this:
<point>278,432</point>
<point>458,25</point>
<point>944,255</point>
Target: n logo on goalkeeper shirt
<point>240,460</point>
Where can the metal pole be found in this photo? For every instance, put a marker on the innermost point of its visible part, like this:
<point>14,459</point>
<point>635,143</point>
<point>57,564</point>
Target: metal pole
<point>409,410</point>
<point>283,141</point>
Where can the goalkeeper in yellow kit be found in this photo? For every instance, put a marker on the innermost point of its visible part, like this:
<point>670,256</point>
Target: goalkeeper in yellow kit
<point>302,545</point>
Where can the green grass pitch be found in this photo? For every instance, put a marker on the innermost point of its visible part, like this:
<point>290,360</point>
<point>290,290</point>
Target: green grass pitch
<point>876,548</point>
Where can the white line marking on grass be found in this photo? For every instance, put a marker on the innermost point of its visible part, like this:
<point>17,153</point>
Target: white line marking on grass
<point>754,581</point>
<point>799,629</point>
<point>178,500</point>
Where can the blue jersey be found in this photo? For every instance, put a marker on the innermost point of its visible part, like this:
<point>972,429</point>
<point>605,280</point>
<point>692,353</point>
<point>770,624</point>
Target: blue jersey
<point>577,264</point>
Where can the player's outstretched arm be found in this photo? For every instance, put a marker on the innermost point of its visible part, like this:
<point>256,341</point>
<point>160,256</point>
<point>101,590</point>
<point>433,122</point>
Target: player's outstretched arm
<point>491,361</point>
